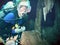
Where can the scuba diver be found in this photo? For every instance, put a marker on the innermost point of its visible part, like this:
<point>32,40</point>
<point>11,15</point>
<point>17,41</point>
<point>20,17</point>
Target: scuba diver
<point>23,8</point>
<point>18,15</point>
<point>17,18</point>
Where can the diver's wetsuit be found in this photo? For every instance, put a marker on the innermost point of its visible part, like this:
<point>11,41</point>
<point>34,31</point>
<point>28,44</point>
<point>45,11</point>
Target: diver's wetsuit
<point>11,18</point>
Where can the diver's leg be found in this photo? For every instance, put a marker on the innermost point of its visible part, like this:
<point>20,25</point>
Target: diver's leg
<point>6,24</point>
<point>5,29</point>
